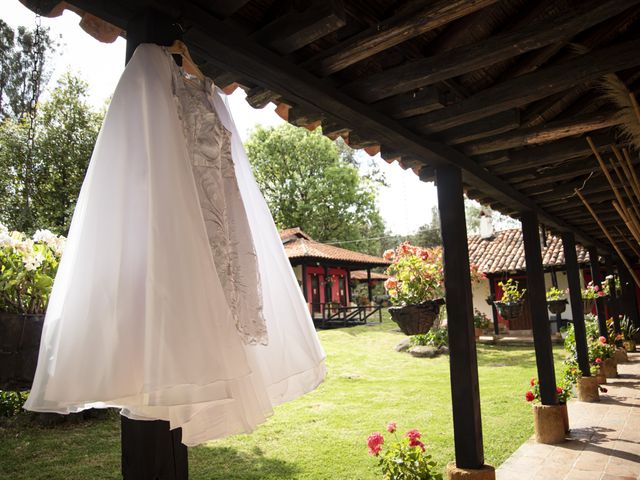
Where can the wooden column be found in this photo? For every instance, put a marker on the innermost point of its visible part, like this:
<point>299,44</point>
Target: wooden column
<point>628,305</point>
<point>554,282</point>
<point>150,450</point>
<point>494,310</point>
<point>575,297</point>
<point>463,362</point>
<point>369,288</point>
<point>596,278</point>
<point>327,286</point>
<point>536,294</point>
<point>614,309</point>
<point>305,286</point>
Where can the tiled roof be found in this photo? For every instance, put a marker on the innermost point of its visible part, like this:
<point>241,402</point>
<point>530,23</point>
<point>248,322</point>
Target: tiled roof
<point>362,275</point>
<point>298,244</point>
<point>504,252</point>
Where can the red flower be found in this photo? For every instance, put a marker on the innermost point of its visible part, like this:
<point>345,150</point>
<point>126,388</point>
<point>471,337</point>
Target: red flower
<point>374,442</point>
<point>391,427</point>
<point>598,361</point>
<point>413,435</point>
<point>559,390</point>
<point>533,382</point>
<point>414,442</point>
<point>529,396</point>
<point>602,340</point>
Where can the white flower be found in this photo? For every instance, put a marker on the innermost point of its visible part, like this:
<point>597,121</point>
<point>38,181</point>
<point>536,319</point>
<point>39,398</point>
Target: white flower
<point>58,245</point>
<point>24,246</point>
<point>32,260</point>
<point>3,229</point>
<point>5,239</point>
<point>45,236</point>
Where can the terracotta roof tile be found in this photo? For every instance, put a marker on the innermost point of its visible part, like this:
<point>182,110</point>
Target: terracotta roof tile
<point>362,275</point>
<point>298,244</point>
<point>504,252</point>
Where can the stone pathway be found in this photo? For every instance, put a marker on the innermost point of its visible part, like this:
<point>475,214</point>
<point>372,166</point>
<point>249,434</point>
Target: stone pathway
<point>604,442</point>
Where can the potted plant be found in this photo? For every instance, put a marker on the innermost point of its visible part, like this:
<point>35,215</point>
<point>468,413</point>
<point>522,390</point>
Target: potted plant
<point>549,420</point>
<point>416,286</point>
<point>629,333</point>
<point>589,296</point>
<point>601,350</point>
<point>481,322</point>
<point>404,459</point>
<point>510,305</point>
<point>27,269</point>
<point>556,300</point>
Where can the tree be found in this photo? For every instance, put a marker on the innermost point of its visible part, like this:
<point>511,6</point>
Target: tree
<point>66,129</point>
<point>309,183</point>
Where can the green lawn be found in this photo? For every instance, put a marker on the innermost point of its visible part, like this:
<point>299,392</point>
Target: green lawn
<point>320,436</point>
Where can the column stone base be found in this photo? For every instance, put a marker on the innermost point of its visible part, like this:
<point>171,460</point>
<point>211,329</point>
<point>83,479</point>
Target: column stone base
<point>548,422</point>
<point>487,472</point>
<point>588,389</point>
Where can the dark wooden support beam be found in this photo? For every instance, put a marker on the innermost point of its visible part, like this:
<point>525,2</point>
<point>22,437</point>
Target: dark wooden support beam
<point>463,362</point>
<point>537,85</point>
<point>487,127</point>
<point>369,288</point>
<point>494,310</point>
<point>537,301</point>
<point>629,303</point>
<point>297,28</point>
<point>305,291</point>
<point>575,298</point>
<point>150,26</point>
<point>596,278</point>
<point>150,450</point>
<point>477,55</point>
<point>410,104</point>
<point>545,133</point>
<point>327,286</point>
<point>393,31</point>
<point>225,8</point>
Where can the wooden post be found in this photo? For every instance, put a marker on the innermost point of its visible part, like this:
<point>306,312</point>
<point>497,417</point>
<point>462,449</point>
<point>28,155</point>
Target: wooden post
<point>305,286</point>
<point>629,307</point>
<point>463,362</point>
<point>575,297</point>
<point>369,289</point>
<point>538,308</point>
<point>596,278</point>
<point>494,310</point>
<point>614,309</point>
<point>150,450</point>
<point>554,282</point>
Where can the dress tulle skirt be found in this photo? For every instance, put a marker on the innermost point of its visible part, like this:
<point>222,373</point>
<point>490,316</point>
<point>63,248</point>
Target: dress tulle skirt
<point>139,316</point>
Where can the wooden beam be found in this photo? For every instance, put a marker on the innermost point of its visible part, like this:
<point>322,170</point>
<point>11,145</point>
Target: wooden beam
<point>537,303</point>
<point>393,31</point>
<point>478,55</point>
<point>546,133</point>
<point>410,104</point>
<point>523,90</point>
<point>297,28</point>
<point>463,361</point>
<point>487,127</point>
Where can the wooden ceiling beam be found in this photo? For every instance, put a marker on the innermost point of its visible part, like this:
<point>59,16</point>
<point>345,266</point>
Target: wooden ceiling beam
<point>546,133</point>
<point>487,127</point>
<point>525,89</point>
<point>391,32</point>
<point>477,55</point>
<point>410,104</point>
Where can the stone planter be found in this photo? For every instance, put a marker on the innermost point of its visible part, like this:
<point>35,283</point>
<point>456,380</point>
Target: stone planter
<point>557,306</point>
<point>416,319</point>
<point>588,389</point>
<point>565,417</point>
<point>477,332</point>
<point>548,422</point>
<point>509,310</point>
<point>629,345</point>
<point>486,472</point>
<point>19,347</point>
<point>621,355</point>
<point>600,378</point>
<point>609,367</point>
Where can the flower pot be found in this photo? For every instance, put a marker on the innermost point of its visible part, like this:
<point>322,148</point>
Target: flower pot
<point>565,417</point>
<point>509,310</point>
<point>557,306</point>
<point>19,346</point>
<point>609,367</point>
<point>548,422</point>
<point>416,319</point>
<point>600,378</point>
<point>629,345</point>
<point>588,389</point>
<point>477,332</point>
<point>587,304</point>
<point>621,355</point>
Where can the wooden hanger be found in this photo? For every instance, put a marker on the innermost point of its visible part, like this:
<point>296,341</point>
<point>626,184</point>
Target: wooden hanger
<point>179,48</point>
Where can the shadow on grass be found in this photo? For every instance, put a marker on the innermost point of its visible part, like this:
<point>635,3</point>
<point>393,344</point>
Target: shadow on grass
<point>227,463</point>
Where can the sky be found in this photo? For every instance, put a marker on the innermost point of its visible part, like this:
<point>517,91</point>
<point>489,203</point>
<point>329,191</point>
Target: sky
<point>405,204</point>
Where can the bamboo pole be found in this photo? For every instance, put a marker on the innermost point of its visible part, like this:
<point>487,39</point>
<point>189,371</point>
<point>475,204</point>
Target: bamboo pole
<point>625,219</point>
<point>631,245</point>
<point>627,192</point>
<point>608,235</point>
<point>606,172</point>
<point>633,174</point>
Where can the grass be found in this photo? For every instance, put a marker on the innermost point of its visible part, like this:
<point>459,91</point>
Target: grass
<point>319,436</point>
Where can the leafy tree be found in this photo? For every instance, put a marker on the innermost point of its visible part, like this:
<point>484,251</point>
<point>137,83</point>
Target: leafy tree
<point>66,129</point>
<point>311,183</point>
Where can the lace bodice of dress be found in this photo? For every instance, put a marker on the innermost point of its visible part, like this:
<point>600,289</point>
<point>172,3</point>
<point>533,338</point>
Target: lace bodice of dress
<point>209,148</point>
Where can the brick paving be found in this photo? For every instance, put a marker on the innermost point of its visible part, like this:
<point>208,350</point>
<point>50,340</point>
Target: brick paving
<point>603,444</point>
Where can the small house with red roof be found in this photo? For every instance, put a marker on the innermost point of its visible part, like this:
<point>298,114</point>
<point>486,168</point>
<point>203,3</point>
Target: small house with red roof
<point>324,273</point>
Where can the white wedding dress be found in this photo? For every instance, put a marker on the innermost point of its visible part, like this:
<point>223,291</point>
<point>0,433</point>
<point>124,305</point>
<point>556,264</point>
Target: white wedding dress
<point>174,299</point>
